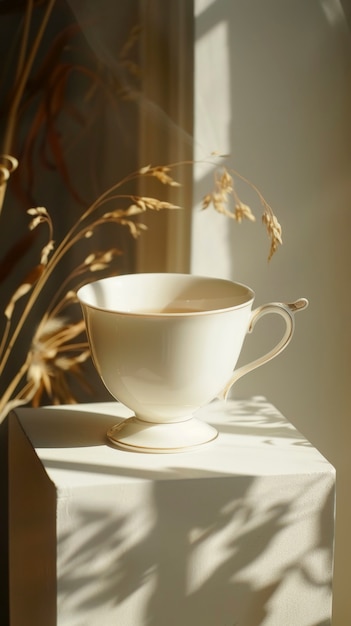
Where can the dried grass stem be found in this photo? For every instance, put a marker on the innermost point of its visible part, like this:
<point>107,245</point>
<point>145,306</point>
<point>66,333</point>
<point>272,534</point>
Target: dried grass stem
<point>23,71</point>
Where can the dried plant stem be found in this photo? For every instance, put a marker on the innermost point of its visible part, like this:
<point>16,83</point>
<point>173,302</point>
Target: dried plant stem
<point>26,394</point>
<point>66,244</point>
<point>73,347</point>
<point>75,233</point>
<point>7,165</point>
<point>53,337</point>
<point>255,189</point>
<point>5,335</point>
<point>24,74</point>
<point>24,39</point>
<point>11,388</point>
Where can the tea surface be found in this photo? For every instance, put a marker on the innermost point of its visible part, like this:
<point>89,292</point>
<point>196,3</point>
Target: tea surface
<point>168,310</point>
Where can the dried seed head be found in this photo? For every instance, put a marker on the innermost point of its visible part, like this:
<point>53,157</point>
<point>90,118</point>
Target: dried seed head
<point>23,289</point>
<point>274,231</point>
<point>53,354</point>
<point>243,211</point>
<point>225,182</point>
<point>224,193</point>
<point>161,173</point>
<point>45,253</point>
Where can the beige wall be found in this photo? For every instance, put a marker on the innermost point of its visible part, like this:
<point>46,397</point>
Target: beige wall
<point>273,88</point>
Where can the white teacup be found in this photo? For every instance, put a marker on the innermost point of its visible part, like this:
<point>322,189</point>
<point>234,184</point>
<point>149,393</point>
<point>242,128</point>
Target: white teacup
<point>166,345</point>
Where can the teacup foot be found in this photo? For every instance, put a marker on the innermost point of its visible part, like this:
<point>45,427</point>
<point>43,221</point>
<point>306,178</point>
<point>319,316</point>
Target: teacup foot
<point>136,435</point>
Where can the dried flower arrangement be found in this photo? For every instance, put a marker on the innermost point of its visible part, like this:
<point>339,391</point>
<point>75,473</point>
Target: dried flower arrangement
<point>58,345</point>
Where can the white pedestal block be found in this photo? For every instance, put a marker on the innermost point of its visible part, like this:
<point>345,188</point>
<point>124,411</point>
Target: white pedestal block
<point>237,533</point>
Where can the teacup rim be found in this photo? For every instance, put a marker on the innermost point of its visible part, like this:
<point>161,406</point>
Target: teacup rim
<point>165,314</point>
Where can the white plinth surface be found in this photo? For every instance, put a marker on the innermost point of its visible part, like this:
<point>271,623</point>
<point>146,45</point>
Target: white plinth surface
<point>237,533</point>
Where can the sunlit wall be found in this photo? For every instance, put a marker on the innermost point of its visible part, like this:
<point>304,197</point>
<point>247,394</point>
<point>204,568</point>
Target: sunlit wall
<point>273,89</point>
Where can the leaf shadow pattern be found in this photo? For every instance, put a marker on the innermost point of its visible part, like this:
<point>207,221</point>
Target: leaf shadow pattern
<point>214,550</point>
<point>149,540</point>
<point>157,573</point>
<point>265,416</point>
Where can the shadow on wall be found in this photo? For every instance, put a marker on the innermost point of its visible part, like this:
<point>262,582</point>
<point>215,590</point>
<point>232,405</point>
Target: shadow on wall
<point>214,549</point>
<point>204,567</point>
<point>169,539</point>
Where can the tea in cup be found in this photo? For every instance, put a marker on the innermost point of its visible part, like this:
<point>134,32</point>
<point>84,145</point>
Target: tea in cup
<point>166,345</point>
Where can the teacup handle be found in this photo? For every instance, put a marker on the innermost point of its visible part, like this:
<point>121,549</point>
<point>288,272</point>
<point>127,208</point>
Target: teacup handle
<point>287,312</point>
